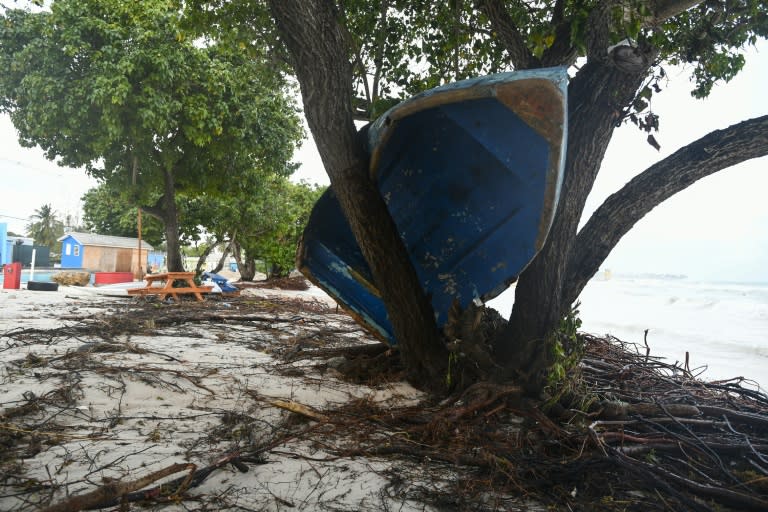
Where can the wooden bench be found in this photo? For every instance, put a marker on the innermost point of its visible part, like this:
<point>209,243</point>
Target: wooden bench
<point>163,286</point>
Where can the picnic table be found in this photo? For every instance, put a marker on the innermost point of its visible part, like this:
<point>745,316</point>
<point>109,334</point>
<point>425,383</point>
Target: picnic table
<point>163,286</point>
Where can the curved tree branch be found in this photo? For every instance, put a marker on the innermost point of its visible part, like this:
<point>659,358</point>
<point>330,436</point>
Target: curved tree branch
<point>504,26</point>
<point>619,213</point>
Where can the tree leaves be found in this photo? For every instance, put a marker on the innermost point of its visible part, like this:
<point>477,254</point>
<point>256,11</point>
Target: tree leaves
<point>110,211</point>
<point>106,84</point>
<point>710,37</point>
<point>45,227</point>
<point>266,215</point>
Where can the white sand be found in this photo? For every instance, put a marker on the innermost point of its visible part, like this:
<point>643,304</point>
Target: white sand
<point>203,391</point>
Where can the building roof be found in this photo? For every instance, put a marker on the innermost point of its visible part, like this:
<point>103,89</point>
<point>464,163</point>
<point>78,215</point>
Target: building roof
<point>107,241</point>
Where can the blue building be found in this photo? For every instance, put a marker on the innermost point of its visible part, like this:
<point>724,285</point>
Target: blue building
<point>103,253</point>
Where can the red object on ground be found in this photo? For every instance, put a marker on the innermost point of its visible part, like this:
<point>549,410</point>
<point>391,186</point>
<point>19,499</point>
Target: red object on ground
<point>112,277</point>
<point>12,276</point>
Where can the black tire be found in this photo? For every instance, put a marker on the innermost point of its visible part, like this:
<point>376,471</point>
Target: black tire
<point>40,286</point>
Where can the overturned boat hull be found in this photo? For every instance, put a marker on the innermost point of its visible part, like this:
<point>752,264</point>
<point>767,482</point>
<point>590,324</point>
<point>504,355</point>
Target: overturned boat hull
<point>471,175</point>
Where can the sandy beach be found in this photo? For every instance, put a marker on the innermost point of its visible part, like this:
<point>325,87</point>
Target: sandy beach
<point>276,400</point>
<point>100,407</point>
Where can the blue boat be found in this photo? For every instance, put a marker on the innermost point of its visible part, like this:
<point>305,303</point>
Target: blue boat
<point>471,175</point>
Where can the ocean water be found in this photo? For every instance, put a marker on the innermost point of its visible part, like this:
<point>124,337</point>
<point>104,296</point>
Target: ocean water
<point>722,326</point>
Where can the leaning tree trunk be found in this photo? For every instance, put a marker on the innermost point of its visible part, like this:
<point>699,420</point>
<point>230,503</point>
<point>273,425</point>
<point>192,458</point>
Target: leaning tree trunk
<point>246,265</point>
<point>315,41</point>
<point>203,258</point>
<point>224,256</point>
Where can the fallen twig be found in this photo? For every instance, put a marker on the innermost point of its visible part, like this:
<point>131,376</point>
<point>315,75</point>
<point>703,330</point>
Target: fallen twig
<point>113,491</point>
<point>297,408</point>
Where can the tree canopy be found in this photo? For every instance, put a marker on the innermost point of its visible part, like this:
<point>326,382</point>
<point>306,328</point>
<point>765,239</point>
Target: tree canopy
<point>107,211</point>
<point>258,218</point>
<point>121,89</point>
<point>283,210</point>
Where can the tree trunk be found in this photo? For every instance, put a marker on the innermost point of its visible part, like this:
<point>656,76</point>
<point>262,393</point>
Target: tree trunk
<point>316,44</point>
<point>204,257</point>
<point>171,221</point>
<point>246,266</point>
<point>596,98</point>
<point>224,256</point>
<point>165,211</point>
<point>275,271</point>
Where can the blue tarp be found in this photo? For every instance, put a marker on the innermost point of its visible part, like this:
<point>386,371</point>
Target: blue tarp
<point>220,281</point>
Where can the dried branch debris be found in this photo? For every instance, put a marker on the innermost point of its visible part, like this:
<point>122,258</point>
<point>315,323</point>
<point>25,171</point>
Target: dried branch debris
<point>102,407</point>
<point>631,433</point>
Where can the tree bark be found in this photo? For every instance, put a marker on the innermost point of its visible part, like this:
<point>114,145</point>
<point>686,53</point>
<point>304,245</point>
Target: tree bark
<point>245,266</point>
<point>224,255</point>
<point>621,211</point>
<point>519,54</point>
<point>204,256</point>
<point>315,41</point>
<point>596,97</point>
<point>166,212</point>
<point>171,221</point>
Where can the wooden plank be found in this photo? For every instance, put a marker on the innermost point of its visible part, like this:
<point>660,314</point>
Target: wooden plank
<point>196,289</point>
<point>174,292</point>
<point>146,290</point>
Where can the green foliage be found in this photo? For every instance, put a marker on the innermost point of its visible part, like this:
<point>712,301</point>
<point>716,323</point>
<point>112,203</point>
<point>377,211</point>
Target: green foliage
<point>245,24</point>
<point>45,227</point>
<point>710,36</point>
<point>264,213</point>
<point>121,89</point>
<point>269,224</point>
<point>107,211</point>
<point>401,47</point>
<point>422,44</point>
<point>567,347</point>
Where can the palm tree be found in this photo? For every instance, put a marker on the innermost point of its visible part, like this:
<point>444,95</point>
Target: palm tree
<point>45,227</point>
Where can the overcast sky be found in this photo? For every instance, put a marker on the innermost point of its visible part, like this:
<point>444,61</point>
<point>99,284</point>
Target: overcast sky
<point>716,229</point>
